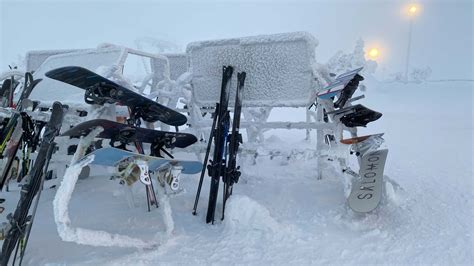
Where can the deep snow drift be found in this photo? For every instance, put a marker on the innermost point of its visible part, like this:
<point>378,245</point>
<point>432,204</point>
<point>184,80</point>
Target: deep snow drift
<point>281,214</point>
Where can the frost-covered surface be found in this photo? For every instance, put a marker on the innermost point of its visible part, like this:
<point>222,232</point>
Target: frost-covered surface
<point>279,68</point>
<point>93,59</point>
<point>281,214</point>
<point>342,62</point>
<point>178,65</point>
<point>34,59</point>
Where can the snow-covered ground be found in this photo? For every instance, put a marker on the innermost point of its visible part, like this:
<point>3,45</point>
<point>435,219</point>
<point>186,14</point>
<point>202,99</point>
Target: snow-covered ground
<point>281,214</point>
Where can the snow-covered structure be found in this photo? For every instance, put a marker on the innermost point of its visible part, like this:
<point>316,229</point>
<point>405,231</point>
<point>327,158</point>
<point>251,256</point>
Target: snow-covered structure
<point>281,72</point>
<point>279,69</point>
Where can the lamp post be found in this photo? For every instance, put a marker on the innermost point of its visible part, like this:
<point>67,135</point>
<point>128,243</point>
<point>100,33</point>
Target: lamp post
<point>373,53</point>
<point>412,11</point>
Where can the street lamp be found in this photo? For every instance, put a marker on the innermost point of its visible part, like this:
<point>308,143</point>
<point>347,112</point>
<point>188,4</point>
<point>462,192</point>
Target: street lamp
<point>373,53</point>
<point>412,11</point>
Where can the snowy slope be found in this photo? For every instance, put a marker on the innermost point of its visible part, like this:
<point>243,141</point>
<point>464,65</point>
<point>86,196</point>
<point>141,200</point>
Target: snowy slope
<point>280,214</point>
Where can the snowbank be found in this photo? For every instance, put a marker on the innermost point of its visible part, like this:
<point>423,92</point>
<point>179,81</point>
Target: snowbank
<point>244,214</point>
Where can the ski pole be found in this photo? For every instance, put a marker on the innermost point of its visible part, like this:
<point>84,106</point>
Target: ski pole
<point>206,157</point>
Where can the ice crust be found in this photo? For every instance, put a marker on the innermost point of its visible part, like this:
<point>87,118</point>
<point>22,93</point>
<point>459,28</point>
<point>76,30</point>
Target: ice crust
<point>91,59</point>
<point>279,68</point>
<point>34,59</point>
<point>178,66</point>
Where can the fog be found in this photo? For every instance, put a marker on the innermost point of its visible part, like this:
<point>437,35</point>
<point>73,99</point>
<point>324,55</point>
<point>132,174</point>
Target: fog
<point>442,31</point>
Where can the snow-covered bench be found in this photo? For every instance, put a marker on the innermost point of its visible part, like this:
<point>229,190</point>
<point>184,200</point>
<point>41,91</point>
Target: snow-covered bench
<point>281,72</point>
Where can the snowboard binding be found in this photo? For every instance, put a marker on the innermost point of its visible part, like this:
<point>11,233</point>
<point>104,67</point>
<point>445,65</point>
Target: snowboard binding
<point>126,136</point>
<point>133,169</point>
<point>170,176</point>
<point>100,94</point>
<point>159,146</point>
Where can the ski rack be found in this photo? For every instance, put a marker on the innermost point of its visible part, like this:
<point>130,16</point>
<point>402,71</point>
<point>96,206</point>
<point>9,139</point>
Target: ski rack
<point>223,164</point>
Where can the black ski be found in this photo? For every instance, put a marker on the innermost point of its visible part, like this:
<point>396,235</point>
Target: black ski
<point>20,222</point>
<point>217,166</point>
<point>224,160</point>
<point>12,132</point>
<point>232,172</point>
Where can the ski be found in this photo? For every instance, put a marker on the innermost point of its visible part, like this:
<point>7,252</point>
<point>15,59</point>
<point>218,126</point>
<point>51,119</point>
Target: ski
<point>219,132</point>
<point>12,132</point>
<point>232,172</point>
<point>20,222</point>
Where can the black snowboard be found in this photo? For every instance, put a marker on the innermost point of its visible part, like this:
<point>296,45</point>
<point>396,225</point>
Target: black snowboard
<point>359,116</point>
<point>114,130</point>
<point>100,90</point>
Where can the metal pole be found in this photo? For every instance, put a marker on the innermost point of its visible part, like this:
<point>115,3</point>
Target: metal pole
<point>408,49</point>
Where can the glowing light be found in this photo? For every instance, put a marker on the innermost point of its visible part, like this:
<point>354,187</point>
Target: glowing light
<point>374,53</point>
<point>413,10</point>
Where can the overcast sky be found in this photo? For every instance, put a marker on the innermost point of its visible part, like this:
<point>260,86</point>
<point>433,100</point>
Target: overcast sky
<point>442,33</point>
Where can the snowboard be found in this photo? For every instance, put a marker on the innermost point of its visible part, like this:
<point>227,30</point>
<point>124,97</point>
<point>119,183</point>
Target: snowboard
<point>113,157</point>
<point>367,189</point>
<point>119,131</point>
<point>100,90</point>
<point>359,139</point>
<point>358,116</point>
<point>335,87</point>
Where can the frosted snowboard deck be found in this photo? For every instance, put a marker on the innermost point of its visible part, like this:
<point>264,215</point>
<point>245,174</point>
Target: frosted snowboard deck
<point>113,156</point>
<point>367,190</point>
<point>359,139</point>
<point>338,84</point>
<point>112,130</point>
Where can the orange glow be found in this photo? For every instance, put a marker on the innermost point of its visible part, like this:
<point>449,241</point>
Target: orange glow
<point>412,10</point>
<point>374,53</point>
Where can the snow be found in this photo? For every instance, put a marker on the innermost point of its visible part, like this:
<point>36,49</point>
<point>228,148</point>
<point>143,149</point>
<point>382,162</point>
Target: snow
<point>279,213</point>
<point>178,66</point>
<point>279,68</point>
<point>34,59</point>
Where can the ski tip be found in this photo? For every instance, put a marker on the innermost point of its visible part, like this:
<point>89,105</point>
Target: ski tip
<point>241,76</point>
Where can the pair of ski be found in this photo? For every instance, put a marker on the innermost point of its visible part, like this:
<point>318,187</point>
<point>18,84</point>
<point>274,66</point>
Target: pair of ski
<point>7,91</point>
<point>16,129</point>
<point>20,222</point>
<point>224,161</point>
